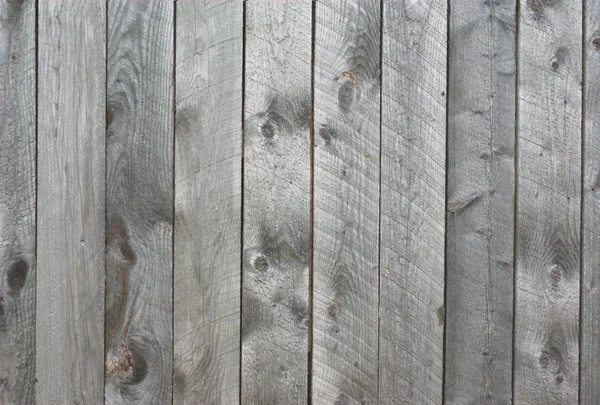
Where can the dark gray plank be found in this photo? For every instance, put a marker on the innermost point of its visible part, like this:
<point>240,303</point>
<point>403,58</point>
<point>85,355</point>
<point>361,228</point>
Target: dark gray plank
<point>208,197</point>
<point>480,231</point>
<point>17,201</point>
<point>413,202</point>
<point>139,202</point>
<point>276,202</point>
<point>346,201</point>
<point>590,299</point>
<point>70,223</point>
<point>546,351</point>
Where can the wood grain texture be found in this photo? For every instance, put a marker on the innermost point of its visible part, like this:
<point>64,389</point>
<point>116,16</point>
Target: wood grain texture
<point>590,300</point>
<point>208,200</point>
<point>139,202</point>
<point>17,201</point>
<point>481,184</point>
<point>546,349</point>
<point>413,202</point>
<point>70,223</point>
<point>276,202</point>
<point>346,201</point>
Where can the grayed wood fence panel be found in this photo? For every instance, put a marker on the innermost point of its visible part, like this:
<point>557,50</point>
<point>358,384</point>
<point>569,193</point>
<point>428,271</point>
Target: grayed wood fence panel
<point>296,201</point>
<point>139,202</point>
<point>346,201</point>
<point>17,200</point>
<point>590,299</point>
<point>480,222</point>
<point>70,202</point>
<point>275,305</point>
<point>413,190</point>
<point>546,345</point>
<point>208,201</point>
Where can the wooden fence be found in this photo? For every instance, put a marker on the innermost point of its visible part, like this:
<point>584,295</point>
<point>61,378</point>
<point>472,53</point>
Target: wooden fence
<point>290,202</point>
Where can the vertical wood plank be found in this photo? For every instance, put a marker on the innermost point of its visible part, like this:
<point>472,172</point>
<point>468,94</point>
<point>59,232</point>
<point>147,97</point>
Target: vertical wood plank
<point>481,183</point>
<point>17,200</point>
<point>276,202</point>
<point>548,203</point>
<point>208,185</point>
<point>139,202</point>
<point>346,201</point>
<point>590,300</point>
<point>413,201</point>
<point>70,224</point>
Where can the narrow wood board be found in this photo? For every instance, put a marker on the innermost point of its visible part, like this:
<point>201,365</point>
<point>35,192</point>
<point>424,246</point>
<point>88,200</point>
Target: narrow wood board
<point>208,185</point>
<point>70,208</point>
<point>139,202</point>
<point>17,201</point>
<point>590,299</point>
<point>275,306</point>
<point>413,202</point>
<point>481,192</point>
<point>346,201</point>
<point>546,363</point>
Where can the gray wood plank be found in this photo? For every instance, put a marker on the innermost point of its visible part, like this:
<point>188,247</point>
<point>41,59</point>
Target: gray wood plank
<point>70,223</point>
<point>480,223</point>
<point>139,202</point>
<point>346,201</point>
<point>413,202</point>
<point>276,202</point>
<point>590,299</point>
<point>546,348</point>
<point>17,201</point>
<point>208,177</point>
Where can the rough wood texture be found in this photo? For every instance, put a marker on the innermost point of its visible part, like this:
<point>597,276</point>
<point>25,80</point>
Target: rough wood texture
<point>139,202</point>
<point>413,202</point>
<point>480,235</point>
<point>17,201</point>
<point>548,203</point>
<point>70,224</point>
<point>276,202</point>
<point>346,201</point>
<point>208,201</point>
<point>590,300</point>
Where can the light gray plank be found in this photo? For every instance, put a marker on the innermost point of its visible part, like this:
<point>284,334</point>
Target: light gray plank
<point>70,223</point>
<point>276,202</point>
<point>139,202</point>
<point>480,227</point>
<point>17,201</point>
<point>346,201</point>
<point>208,197</point>
<point>590,300</point>
<point>546,351</point>
<point>413,202</point>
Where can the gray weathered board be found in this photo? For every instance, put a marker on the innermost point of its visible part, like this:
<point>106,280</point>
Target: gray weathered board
<point>295,201</point>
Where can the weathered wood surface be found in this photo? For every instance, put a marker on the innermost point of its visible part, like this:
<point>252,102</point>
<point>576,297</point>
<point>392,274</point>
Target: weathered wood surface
<point>275,306</point>
<point>70,206</point>
<point>346,201</point>
<point>546,345</point>
<point>208,201</point>
<point>590,299</point>
<point>17,201</point>
<point>412,202</point>
<point>139,202</point>
<point>480,223</point>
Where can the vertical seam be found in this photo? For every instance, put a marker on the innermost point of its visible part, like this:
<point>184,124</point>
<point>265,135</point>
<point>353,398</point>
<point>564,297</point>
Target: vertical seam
<point>242,167</point>
<point>516,195</point>
<point>174,155</point>
<point>582,192</point>
<point>312,205</point>
<point>444,332</point>
<point>381,27</point>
